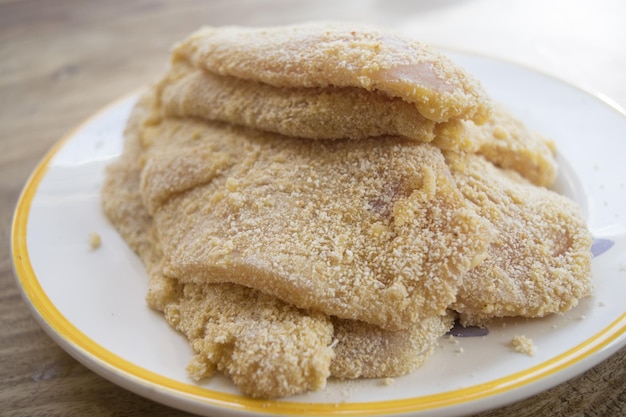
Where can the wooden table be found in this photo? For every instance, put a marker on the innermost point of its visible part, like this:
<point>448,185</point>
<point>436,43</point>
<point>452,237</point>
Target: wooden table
<point>61,61</point>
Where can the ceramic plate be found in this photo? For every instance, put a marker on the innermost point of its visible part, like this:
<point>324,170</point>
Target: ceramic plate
<point>92,301</point>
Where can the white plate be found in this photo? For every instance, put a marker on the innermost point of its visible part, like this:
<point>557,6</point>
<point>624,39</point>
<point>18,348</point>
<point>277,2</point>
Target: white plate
<point>92,302</point>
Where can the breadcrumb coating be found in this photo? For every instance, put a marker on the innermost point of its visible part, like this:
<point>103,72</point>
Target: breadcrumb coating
<point>539,261</point>
<point>372,230</point>
<point>367,351</point>
<point>314,113</point>
<point>508,144</point>
<point>121,197</point>
<point>504,141</point>
<point>333,54</point>
<point>285,260</point>
<point>266,346</point>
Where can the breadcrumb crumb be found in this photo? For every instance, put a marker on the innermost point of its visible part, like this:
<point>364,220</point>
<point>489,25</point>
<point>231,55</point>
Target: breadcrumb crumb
<point>95,241</point>
<point>388,381</point>
<point>524,344</point>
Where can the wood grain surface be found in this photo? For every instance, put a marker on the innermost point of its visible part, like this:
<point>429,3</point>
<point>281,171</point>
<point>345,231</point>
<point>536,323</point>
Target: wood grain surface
<point>61,61</point>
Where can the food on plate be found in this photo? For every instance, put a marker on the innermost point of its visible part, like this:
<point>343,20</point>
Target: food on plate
<point>266,346</point>
<point>315,113</point>
<point>508,144</point>
<point>504,141</point>
<point>538,261</point>
<point>232,327</point>
<point>322,201</point>
<point>372,230</point>
<point>321,55</point>
<point>367,351</point>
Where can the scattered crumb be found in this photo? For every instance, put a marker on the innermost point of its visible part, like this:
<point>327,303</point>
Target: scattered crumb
<point>523,344</point>
<point>348,386</point>
<point>622,267</point>
<point>452,340</point>
<point>582,317</point>
<point>459,350</point>
<point>601,303</point>
<point>95,241</point>
<point>387,381</point>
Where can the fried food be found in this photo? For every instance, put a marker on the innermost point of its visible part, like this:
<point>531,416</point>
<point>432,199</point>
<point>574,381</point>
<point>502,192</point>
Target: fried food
<point>314,113</point>
<point>539,261</point>
<point>371,230</point>
<point>321,55</point>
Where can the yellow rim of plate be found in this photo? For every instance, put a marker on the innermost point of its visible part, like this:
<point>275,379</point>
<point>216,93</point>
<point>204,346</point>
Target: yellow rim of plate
<point>88,349</point>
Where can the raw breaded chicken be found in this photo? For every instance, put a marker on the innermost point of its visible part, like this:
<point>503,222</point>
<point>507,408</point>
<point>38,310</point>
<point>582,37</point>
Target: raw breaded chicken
<point>539,261</point>
<point>504,141</point>
<point>314,113</point>
<point>367,351</point>
<point>508,144</point>
<point>372,230</point>
<point>314,55</point>
<point>312,201</point>
<point>266,346</point>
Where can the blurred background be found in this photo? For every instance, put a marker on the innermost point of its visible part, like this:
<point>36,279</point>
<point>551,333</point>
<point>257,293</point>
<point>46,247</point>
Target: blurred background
<point>62,60</point>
